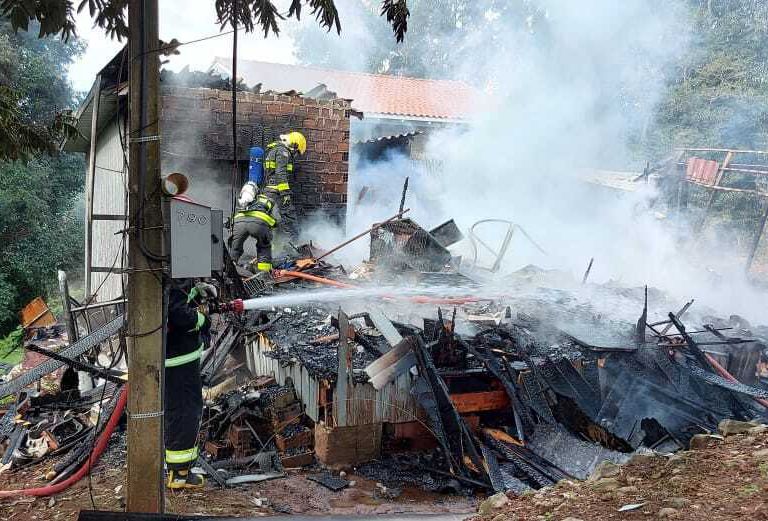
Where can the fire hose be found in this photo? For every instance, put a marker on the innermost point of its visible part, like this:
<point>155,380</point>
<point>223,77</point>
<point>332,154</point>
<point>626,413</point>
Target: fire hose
<point>419,299</point>
<point>240,305</point>
<point>101,445</point>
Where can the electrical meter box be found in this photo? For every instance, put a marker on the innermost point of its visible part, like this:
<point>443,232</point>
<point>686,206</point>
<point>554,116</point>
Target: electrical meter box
<point>189,238</point>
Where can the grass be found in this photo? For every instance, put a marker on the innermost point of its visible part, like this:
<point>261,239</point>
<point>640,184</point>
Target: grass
<point>749,490</point>
<point>11,351</point>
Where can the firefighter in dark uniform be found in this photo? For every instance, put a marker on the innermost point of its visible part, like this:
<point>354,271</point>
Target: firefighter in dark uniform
<point>278,171</point>
<point>187,323</point>
<point>253,219</point>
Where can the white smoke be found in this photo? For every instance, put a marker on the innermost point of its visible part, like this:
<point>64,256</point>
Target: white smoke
<point>581,98</point>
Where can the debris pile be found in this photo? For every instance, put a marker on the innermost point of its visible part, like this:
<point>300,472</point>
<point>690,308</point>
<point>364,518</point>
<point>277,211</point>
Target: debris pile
<point>503,391</point>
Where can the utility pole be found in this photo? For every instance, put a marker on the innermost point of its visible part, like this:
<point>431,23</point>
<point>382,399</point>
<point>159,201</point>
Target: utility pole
<point>145,264</point>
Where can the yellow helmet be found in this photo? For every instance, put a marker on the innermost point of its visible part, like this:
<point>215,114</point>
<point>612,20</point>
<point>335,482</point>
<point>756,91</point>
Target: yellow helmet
<point>295,140</point>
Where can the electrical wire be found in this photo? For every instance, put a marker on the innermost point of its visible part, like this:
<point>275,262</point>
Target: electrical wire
<point>121,254</point>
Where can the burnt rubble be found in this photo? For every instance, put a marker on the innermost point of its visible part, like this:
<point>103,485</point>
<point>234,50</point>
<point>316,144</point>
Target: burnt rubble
<point>496,390</point>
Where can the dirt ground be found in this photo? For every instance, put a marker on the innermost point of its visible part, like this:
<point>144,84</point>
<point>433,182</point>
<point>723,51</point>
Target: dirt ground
<point>291,495</point>
<point>726,480</point>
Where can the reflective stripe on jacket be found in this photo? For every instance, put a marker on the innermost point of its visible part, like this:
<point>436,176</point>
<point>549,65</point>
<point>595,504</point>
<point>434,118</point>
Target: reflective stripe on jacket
<point>278,167</point>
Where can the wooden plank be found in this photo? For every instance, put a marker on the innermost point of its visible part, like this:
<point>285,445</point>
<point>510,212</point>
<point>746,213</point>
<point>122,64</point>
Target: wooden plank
<point>480,402</point>
<point>36,314</point>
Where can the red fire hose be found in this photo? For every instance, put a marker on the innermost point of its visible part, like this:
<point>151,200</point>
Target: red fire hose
<point>419,299</point>
<point>722,371</point>
<point>98,449</point>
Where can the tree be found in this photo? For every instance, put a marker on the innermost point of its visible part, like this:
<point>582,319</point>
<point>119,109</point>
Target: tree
<point>39,229</point>
<point>718,96</point>
<point>20,138</point>
<point>450,33</point>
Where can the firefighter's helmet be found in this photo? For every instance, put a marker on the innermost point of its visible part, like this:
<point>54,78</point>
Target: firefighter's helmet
<point>295,141</point>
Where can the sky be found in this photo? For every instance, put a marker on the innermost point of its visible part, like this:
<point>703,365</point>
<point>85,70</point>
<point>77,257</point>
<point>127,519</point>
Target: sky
<point>181,21</point>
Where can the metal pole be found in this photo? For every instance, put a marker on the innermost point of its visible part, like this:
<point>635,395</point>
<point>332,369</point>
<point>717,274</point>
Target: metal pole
<point>402,198</point>
<point>144,329</point>
<point>362,234</point>
<point>66,306</point>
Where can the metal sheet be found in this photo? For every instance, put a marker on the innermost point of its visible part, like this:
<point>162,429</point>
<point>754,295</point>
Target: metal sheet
<point>390,365</point>
<point>73,351</point>
<point>385,327</point>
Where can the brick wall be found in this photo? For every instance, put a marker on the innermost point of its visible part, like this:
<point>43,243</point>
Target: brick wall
<point>196,129</point>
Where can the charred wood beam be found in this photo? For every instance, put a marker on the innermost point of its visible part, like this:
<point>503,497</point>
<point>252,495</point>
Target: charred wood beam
<point>457,441</point>
<point>695,350</point>
<point>523,421</point>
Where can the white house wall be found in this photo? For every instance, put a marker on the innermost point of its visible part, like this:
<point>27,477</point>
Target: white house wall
<point>109,197</point>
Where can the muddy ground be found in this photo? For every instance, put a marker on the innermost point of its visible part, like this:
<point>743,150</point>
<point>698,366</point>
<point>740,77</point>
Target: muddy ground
<point>291,495</point>
<point>727,480</point>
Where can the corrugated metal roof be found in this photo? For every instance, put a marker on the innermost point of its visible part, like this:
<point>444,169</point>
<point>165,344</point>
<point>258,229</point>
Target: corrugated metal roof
<point>389,138</point>
<point>370,93</point>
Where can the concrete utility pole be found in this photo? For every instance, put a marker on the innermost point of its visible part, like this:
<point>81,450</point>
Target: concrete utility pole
<point>145,287</point>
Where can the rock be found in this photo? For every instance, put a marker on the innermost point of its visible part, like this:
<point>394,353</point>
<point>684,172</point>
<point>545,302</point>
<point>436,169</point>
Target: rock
<point>572,519</point>
<point>52,502</point>
<point>342,474</point>
<point>760,429</point>
<point>643,457</point>
<point>704,441</point>
<point>631,489</point>
<point>761,454</point>
<point>677,502</point>
<point>494,502</point>
<point>352,483</point>
<point>667,512</point>
<point>606,484</point>
<point>731,427</point>
<point>500,517</point>
<point>679,457</point>
<point>605,469</point>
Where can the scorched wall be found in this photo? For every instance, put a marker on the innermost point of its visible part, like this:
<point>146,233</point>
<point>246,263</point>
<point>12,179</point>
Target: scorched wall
<point>197,141</point>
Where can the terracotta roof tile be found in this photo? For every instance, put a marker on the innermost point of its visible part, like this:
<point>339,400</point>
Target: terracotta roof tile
<point>371,93</point>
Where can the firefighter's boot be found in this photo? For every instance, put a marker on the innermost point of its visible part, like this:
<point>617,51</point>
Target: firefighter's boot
<point>179,479</point>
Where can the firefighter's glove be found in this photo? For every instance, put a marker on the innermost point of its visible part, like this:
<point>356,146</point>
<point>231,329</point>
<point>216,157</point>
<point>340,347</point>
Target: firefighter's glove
<point>207,291</point>
<point>204,309</point>
<point>286,199</point>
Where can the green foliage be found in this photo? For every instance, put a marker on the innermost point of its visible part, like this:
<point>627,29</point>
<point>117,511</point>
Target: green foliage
<point>718,94</point>
<point>34,93</point>
<point>57,16</point>
<point>11,347</point>
<point>40,230</point>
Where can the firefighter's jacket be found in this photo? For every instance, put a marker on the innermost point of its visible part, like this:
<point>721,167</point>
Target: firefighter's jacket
<point>278,167</point>
<point>186,327</point>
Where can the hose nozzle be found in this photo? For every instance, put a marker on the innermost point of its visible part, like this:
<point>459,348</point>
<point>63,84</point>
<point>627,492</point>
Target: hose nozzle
<point>234,306</point>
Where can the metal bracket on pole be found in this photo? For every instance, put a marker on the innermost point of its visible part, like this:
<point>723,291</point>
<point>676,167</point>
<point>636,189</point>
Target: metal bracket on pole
<point>145,415</point>
<point>144,139</point>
